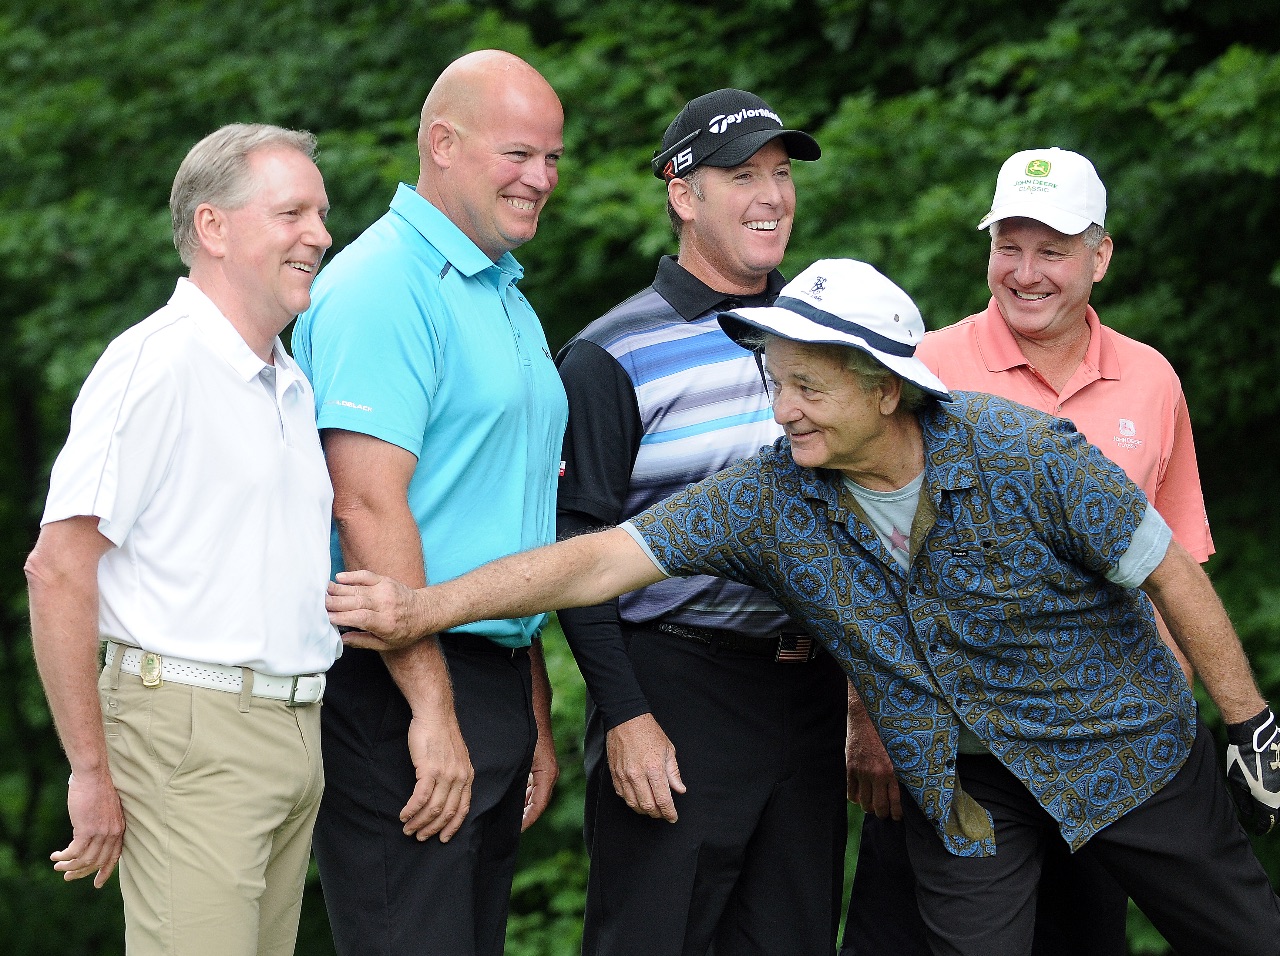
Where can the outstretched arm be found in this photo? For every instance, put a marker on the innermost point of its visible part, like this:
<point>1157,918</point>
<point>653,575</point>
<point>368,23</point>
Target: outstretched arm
<point>585,570</point>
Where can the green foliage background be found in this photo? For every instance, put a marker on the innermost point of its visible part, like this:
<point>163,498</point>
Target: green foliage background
<point>916,103</point>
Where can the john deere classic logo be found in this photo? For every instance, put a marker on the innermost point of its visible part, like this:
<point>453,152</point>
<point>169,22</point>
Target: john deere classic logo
<point>1038,168</point>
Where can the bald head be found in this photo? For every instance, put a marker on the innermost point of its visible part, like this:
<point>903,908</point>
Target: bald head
<point>490,138</point>
<point>465,92</point>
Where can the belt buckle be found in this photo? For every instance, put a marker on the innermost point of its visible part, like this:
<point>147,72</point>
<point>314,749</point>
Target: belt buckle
<point>293,690</point>
<point>794,649</point>
<point>151,668</point>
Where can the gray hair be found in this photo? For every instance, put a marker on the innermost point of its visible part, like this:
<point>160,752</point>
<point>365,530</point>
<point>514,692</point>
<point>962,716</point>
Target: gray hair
<point>1092,236</point>
<point>870,373</point>
<point>694,181</point>
<point>216,171</point>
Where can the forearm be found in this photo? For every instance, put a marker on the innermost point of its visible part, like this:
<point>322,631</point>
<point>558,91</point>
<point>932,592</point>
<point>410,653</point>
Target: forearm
<point>594,635</point>
<point>1199,624</point>
<point>541,690</point>
<point>863,745</point>
<point>64,635</point>
<point>385,538</point>
<point>589,569</point>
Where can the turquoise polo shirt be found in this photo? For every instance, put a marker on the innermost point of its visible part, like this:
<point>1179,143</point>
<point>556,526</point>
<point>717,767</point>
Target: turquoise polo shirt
<point>416,337</point>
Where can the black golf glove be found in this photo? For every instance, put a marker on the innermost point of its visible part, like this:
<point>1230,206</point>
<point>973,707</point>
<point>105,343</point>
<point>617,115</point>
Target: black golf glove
<point>1253,770</point>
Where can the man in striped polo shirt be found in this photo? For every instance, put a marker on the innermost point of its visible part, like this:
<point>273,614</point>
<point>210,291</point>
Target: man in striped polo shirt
<point>715,808</point>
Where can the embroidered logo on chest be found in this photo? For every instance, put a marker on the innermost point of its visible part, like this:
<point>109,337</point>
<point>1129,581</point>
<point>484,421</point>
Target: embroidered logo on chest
<point>1128,435</point>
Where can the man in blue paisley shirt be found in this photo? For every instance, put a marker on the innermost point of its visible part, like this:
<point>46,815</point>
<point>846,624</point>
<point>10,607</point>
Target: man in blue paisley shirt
<point>982,573</point>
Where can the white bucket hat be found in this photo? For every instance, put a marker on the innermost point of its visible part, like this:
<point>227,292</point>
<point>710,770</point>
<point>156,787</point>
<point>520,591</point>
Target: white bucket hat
<point>1054,186</point>
<point>845,302</point>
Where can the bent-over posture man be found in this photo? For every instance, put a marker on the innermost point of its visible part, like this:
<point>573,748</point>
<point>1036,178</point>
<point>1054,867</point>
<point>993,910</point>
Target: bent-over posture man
<point>442,418</point>
<point>187,526</point>
<point>715,810</point>
<point>1039,342</point>
<point>973,564</point>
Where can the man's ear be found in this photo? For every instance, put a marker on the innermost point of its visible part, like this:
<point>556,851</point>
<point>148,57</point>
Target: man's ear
<point>683,199</point>
<point>1102,258</point>
<point>441,142</point>
<point>890,395</point>
<point>211,229</point>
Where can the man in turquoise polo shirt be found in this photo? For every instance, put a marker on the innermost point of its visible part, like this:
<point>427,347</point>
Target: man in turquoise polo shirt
<point>441,415</point>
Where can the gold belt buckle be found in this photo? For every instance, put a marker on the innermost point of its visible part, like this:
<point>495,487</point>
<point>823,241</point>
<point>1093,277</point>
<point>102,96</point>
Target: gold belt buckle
<point>151,669</point>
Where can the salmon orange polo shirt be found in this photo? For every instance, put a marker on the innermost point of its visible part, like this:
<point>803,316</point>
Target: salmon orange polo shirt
<point>1125,398</point>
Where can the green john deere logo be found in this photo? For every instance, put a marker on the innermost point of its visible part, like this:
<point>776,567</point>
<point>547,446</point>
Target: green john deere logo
<point>1038,168</point>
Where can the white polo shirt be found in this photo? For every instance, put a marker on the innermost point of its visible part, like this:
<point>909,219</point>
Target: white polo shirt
<point>204,468</point>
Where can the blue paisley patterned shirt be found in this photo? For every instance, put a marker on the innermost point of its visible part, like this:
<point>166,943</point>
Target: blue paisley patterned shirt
<point>1004,619</point>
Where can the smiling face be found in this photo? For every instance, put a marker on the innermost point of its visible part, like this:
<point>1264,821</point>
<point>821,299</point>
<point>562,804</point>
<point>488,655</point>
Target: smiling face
<point>737,233</point>
<point>831,419</point>
<point>270,248</point>
<point>498,162</point>
<point>1042,279</point>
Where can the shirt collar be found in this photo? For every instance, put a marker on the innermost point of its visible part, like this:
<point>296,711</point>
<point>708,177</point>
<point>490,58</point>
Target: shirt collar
<point>223,338</point>
<point>1000,352</point>
<point>693,298</point>
<point>943,423</point>
<point>446,238</point>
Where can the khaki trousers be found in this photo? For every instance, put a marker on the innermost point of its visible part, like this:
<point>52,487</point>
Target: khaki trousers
<point>220,792</point>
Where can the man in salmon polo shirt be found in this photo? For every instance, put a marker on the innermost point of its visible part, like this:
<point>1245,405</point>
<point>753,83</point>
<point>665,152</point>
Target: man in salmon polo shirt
<point>1039,342</point>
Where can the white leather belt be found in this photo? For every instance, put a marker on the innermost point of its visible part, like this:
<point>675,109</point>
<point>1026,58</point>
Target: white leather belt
<point>157,668</point>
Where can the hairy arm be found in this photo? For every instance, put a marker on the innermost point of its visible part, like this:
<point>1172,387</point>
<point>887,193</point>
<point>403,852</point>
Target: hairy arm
<point>376,529</point>
<point>1191,609</point>
<point>870,778</point>
<point>62,578</point>
<point>581,571</point>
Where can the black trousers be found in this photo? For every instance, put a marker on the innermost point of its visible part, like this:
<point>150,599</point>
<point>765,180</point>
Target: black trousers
<point>389,894</point>
<point>1181,855</point>
<point>1080,909</point>
<point>755,862</point>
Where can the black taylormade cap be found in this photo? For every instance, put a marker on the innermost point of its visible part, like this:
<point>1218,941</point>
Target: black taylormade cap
<point>725,128</point>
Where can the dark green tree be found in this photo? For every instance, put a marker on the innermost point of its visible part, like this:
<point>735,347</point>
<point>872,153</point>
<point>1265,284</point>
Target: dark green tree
<point>916,104</point>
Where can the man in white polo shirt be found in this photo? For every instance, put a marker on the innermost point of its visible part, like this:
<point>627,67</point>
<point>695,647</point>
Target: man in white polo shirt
<point>187,526</point>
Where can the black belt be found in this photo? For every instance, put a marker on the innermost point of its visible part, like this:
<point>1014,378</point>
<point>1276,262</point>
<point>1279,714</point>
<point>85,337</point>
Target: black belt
<point>785,647</point>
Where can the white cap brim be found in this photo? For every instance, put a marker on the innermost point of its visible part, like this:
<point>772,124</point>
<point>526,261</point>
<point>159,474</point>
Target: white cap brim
<point>789,325</point>
<point>1067,223</point>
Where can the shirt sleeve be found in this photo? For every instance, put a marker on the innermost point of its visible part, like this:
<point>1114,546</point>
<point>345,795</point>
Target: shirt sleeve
<point>722,526</point>
<point>125,425</point>
<point>639,539</point>
<point>376,355</point>
<point>1087,506</point>
<point>603,435</point>
<point>1179,498</point>
<point>599,452</point>
<point>1149,545</point>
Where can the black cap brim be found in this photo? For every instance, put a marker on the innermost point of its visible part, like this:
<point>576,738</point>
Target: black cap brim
<point>737,151</point>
